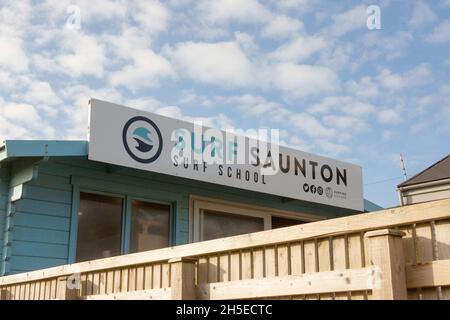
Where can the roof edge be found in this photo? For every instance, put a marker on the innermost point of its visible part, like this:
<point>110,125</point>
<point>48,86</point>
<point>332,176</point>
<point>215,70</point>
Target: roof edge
<point>43,148</point>
<point>408,182</point>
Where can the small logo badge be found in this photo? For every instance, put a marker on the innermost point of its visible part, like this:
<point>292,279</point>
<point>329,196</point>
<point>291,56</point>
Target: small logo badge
<point>320,190</point>
<point>306,187</point>
<point>329,192</point>
<point>142,139</point>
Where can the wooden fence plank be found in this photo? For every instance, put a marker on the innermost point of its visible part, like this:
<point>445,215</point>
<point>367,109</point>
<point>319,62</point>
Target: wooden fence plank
<point>296,258</point>
<point>283,259</point>
<point>157,276</point>
<point>430,274</point>
<point>224,267</point>
<point>355,256</point>
<point>165,275</point>
<point>148,277</point>
<point>140,278</point>
<point>425,254</point>
<point>153,294</point>
<point>310,256</point>
<point>270,261</point>
<point>235,266</point>
<point>258,263</point>
<point>323,282</point>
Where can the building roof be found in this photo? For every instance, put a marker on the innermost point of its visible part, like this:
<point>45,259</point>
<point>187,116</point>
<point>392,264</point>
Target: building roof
<point>11,149</point>
<point>438,171</point>
<point>370,206</point>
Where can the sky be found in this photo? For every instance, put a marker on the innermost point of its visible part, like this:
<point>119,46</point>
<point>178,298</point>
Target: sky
<point>312,69</point>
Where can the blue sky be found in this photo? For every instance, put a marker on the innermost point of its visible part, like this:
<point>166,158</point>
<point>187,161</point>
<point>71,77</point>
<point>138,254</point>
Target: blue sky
<point>309,68</point>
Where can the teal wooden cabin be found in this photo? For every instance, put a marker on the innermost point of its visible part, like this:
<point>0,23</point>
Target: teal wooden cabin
<point>57,207</point>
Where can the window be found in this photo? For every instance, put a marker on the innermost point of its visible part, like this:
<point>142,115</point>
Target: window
<point>149,226</point>
<point>113,225</point>
<point>99,226</point>
<point>220,224</point>
<point>212,219</point>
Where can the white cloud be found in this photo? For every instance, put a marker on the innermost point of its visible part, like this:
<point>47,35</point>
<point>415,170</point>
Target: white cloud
<point>282,26</point>
<point>378,46</point>
<point>14,20</point>
<point>299,49</point>
<point>102,10</point>
<point>390,80</point>
<point>220,63</point>
<point>81,55</point>
<point>170,111</point>
<point>74,114</point>
<point>7,81</point>
<point>145,103</point>
<point>145,71</point>
<point>21,113</point>
<point>246,41</point>
<point>310,125</point>
<point>365,87</point>
<point>298,143</point>
<point>152,16</point>
<point>41,92</point>
<point>422,15</point>
<point>343,104</point>
<point>22,121</point>
<point>337,57</point>
<point>255,105</point>
<point>419,75</point>
<point>332,149</point>
<point>12,53</point>
<point>303,80</point>
<point>440,34</point>
<point>302,5</point>
<point>223,11</point>
<point>344,123</point>
<point>389,116</point>
<point>348,21</point>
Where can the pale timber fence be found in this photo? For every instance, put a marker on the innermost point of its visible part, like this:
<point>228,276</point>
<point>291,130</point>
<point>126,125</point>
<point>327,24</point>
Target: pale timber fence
<point>400,253</point>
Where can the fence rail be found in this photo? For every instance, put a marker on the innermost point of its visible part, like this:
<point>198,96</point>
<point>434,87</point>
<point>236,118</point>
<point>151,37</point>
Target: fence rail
<point>400,253</point>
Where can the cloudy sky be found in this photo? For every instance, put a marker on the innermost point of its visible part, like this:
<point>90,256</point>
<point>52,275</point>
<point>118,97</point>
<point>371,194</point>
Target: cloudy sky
<point>309,68</point>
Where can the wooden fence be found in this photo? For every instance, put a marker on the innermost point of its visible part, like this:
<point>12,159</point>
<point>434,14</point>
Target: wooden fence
<point>400,253</point>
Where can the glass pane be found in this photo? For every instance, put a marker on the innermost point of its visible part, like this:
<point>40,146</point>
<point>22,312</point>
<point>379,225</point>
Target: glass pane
<point>99,226</point>
<point>278,222</point>
<point>221,224</point>
<point>149,226</point>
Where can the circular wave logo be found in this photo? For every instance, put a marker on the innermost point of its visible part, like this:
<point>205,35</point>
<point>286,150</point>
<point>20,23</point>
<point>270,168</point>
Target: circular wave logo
<point>142,139</point>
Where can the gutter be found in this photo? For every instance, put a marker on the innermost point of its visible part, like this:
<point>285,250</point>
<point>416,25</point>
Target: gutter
<point>425,184</point>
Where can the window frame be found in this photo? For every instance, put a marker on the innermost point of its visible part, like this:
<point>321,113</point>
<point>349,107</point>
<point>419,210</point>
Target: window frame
<point>197,204</point>
<point>126,217</point>
<point>123,215</point>
<point>146,199</point>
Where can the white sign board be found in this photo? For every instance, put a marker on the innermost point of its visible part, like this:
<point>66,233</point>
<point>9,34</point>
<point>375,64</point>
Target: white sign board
<point>142,140</point>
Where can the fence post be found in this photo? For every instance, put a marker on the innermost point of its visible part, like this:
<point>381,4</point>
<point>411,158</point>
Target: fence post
<point>385,251</point>
<point>63,292</point>
<point>182,278</point>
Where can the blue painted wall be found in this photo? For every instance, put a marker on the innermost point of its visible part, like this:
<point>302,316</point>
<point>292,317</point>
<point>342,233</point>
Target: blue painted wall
<point>4,182</point>
<point>42,220</point>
